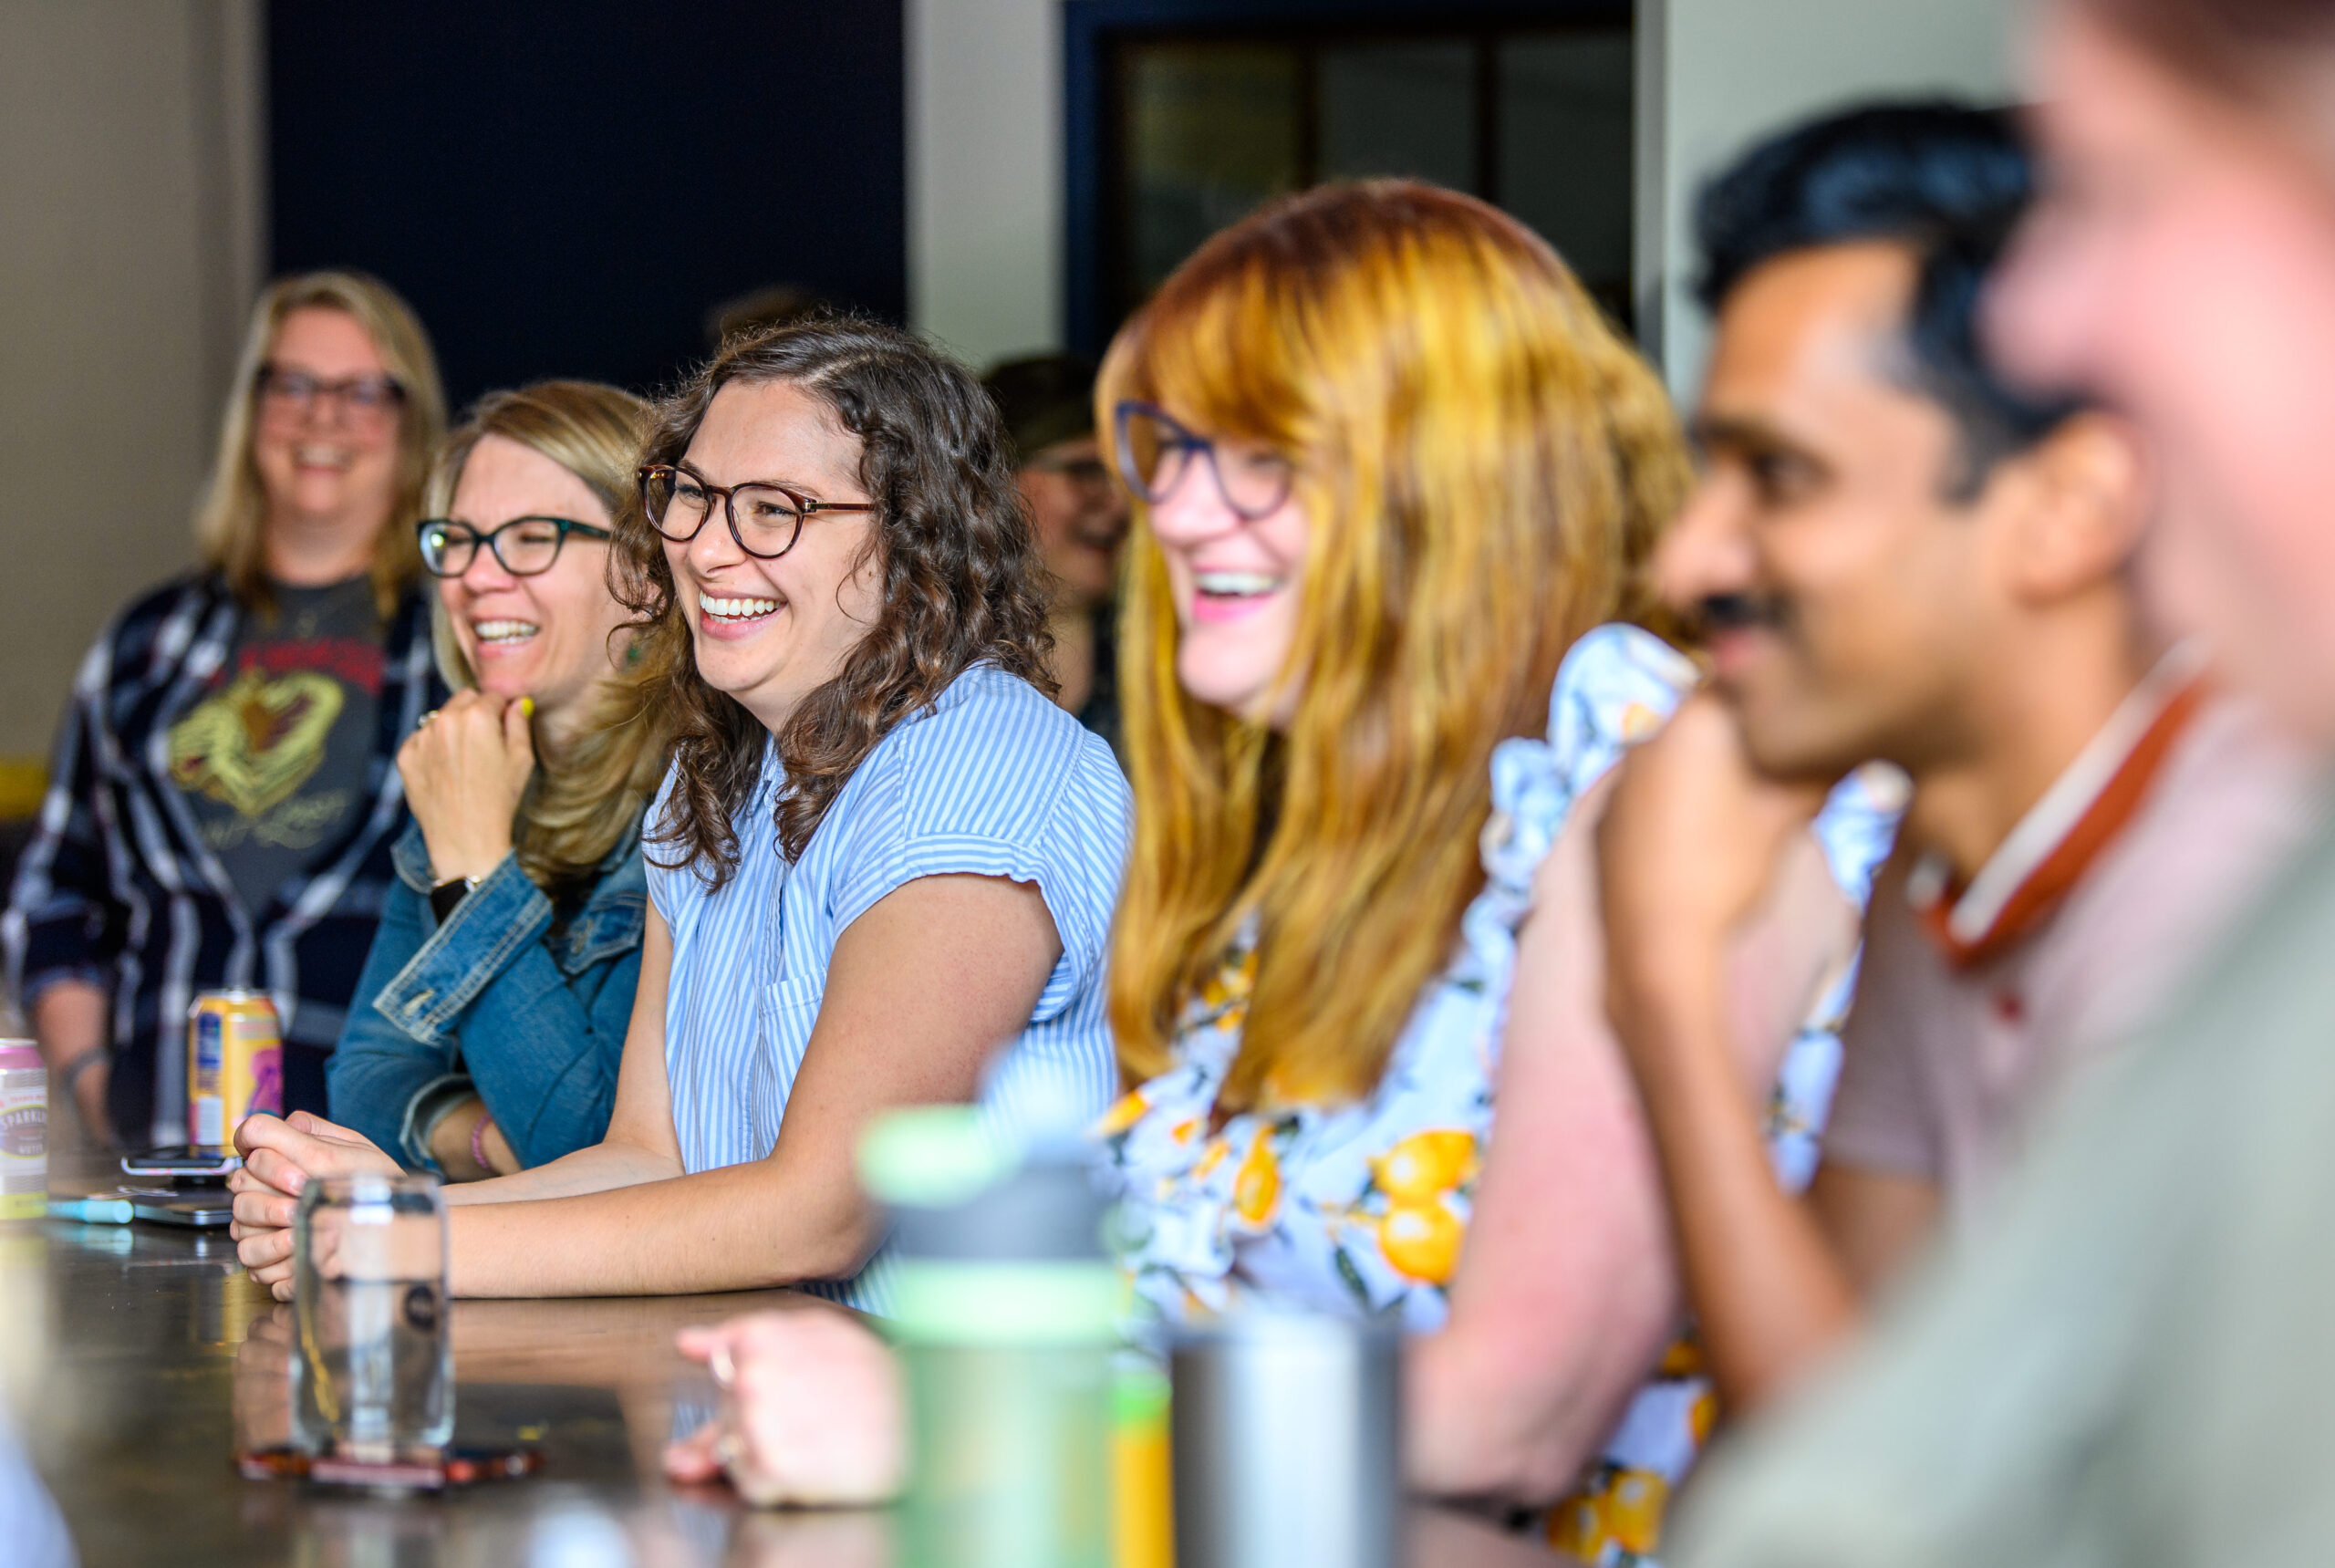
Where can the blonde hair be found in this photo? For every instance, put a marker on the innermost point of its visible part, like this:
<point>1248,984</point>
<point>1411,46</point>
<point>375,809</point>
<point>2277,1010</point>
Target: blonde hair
<point>589,794</point>
<point>1487,465</point>
<point>230,519</point>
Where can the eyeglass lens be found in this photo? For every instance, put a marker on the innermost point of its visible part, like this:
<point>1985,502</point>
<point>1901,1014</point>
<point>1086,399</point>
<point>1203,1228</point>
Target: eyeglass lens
<point>361,398</point>
<point>763,519</point>
<point>524,546</point>
<point>1156,454</point>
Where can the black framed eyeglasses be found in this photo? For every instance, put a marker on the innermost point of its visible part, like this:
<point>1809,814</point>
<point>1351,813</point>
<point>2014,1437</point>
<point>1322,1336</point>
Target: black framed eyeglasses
<point>764,519</point>
<point>1156,454</point>
<point>525,546</point>
<point>361,398</point>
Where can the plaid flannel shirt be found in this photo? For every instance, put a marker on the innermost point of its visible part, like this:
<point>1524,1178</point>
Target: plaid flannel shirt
<point>118,888</point>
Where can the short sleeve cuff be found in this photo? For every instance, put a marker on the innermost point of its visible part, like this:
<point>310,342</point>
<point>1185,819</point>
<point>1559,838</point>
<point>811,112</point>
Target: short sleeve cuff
<point>962,855</point>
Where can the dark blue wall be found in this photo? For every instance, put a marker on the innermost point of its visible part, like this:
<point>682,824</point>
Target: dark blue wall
<point>566,189</point>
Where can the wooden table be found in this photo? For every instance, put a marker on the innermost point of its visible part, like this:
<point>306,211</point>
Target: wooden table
<point>135,1352</point>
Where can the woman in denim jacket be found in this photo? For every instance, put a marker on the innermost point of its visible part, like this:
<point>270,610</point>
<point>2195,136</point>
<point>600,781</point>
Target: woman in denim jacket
<point>492,1009</point>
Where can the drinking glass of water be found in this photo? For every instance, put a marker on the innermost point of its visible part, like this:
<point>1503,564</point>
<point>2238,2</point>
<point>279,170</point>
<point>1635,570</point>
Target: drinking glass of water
<point>373,1368</point>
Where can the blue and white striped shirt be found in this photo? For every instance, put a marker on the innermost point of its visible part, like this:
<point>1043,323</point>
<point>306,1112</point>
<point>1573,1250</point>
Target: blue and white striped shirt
<point>992,780</point>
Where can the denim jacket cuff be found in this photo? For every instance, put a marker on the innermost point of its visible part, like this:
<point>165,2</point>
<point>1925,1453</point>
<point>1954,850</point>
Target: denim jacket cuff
<point>430,1105</point>
<point>503,917</point>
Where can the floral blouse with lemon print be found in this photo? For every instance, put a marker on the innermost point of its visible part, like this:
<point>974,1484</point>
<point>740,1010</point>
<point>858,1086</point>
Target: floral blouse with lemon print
<point>1361,1209</point>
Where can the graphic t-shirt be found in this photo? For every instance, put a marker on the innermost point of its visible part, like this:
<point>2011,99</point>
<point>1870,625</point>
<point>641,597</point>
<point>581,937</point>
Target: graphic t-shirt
<point>272,758</point>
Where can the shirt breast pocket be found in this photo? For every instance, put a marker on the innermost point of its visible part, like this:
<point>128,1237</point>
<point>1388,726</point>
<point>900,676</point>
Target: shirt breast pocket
<point>789,1010</point>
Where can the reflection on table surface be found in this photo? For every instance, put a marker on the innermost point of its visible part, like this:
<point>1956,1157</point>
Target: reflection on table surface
<point>138,1356</point>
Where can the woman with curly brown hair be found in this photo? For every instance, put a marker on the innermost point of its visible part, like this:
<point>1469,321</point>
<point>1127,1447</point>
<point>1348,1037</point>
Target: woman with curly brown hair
<point>882,852</point>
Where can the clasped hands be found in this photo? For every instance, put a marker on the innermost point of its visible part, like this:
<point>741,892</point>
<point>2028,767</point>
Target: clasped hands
<point>281,1156</point>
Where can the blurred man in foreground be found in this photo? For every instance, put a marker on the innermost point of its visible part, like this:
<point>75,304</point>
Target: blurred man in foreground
<point>2131,1367</point>
<point>1898,556</point>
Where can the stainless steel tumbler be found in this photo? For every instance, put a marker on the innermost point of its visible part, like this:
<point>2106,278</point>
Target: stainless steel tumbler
<point>1287,1434</point>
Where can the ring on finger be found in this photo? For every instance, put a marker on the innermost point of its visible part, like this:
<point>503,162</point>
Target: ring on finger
<point>425,719</point>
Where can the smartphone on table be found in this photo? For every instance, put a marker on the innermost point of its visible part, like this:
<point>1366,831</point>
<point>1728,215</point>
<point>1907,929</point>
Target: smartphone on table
<point>184,1164</point>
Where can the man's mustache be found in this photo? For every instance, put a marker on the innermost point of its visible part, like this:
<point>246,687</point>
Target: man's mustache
<point>1740,612</point>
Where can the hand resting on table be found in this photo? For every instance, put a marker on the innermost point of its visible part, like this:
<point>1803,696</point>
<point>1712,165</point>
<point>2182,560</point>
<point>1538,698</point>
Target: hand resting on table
<point>812,1412</point>
<point>280,1156</point>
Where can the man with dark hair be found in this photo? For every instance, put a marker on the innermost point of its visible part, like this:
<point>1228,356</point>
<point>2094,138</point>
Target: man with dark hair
<point>2132,1366</point>
<point>1945,182</point>
<point>1898,556</point>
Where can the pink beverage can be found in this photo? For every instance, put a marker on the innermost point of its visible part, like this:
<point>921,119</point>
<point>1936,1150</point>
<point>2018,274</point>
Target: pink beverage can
<point>234,1063</point>
<point>24,1131</point>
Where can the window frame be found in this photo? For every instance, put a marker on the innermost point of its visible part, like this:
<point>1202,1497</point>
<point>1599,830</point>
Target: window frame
<point>1097,35</point>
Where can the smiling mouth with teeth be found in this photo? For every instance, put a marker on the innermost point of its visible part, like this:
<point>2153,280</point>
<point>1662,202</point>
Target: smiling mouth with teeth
<point>1234,585</point>
<point>503,633</point>
<point>738,609</point>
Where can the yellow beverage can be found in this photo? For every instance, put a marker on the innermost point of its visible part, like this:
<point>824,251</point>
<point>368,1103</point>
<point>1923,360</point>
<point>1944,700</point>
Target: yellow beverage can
<point>1142,1485</point>
<point>234,1063</point>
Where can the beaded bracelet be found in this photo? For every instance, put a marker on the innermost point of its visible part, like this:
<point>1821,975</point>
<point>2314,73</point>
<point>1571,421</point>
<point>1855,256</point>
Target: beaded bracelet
<point>478,1141</point>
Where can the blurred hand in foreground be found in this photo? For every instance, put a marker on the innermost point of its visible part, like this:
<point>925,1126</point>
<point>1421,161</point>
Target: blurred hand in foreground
<point>280,1156</point>
<point>813,1411</point>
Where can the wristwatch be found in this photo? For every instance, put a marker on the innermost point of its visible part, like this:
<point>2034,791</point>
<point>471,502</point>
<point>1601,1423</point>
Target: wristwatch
<point>445,897</point>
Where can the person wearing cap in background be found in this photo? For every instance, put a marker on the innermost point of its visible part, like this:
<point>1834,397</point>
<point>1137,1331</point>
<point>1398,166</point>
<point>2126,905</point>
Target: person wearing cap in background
<point>1080,518</point>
